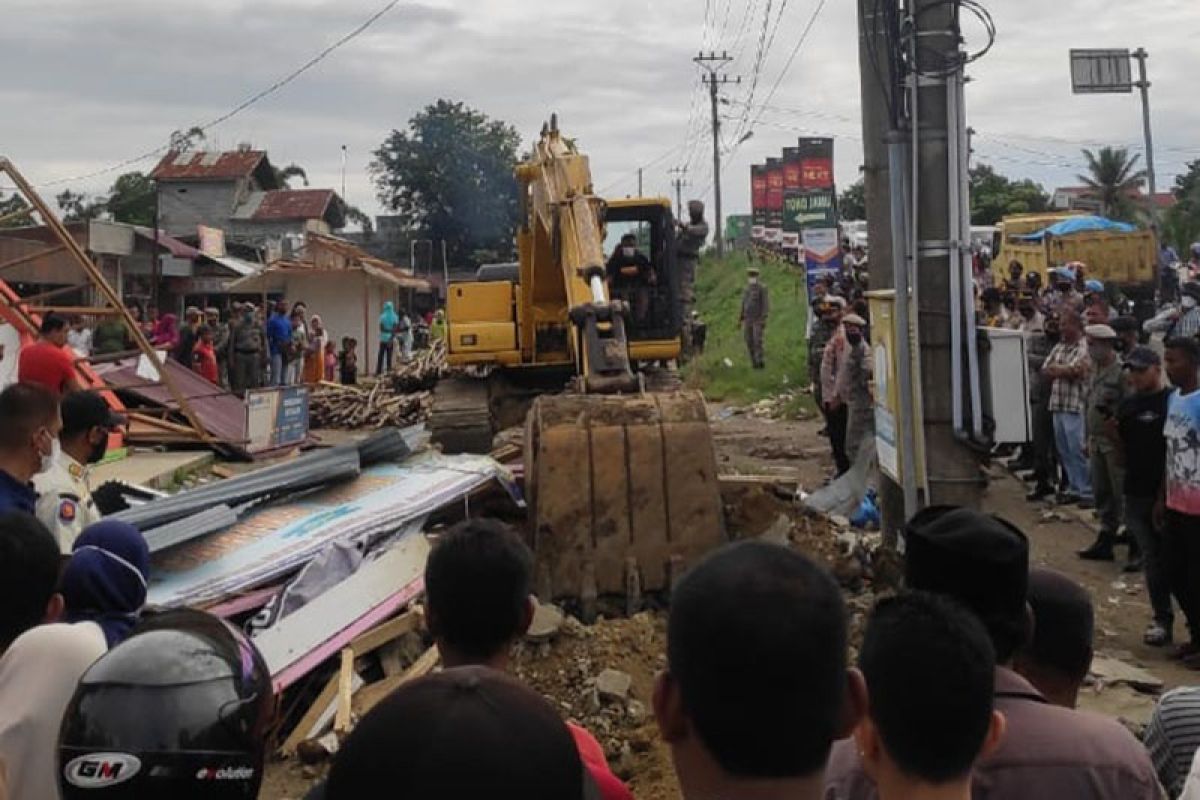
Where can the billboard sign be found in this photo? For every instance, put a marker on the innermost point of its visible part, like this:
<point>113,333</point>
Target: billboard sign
<point>758,200</point>
<point>816,163</point>
<point>791,189</point>
<point>1101,72</point>
<point>822,254</point>
<point>774,231</point>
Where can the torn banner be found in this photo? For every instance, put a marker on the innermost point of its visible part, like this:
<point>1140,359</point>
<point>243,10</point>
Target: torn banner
<point>278,539</point>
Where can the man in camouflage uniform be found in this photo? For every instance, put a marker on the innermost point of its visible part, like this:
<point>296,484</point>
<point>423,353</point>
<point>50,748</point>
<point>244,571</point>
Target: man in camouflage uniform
<point>823,329</point>
<point>756,306</point>
<point>690,240</point>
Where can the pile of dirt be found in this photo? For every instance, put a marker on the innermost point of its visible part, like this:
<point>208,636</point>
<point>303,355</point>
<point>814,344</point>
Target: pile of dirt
<point>568,669</point>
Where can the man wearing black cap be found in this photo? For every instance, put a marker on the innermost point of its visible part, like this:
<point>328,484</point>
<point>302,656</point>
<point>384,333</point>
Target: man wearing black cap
<point>65,504</point>
<point>1049,752</point>
<point>755,716</point>
<point>1139,422</point>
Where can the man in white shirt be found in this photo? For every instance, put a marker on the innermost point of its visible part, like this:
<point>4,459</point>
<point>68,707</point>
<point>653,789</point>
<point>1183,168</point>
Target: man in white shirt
<point>64,503</point>
<point>40,661</point>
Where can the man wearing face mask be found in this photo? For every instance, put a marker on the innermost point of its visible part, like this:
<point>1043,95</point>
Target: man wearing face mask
<point>756,305</point>
<point>1106,392</point>
<point>630,276</point>
<point>65,503</point>
<point>854,383</point>
<point>1183,321</point>
<point>29,426</point>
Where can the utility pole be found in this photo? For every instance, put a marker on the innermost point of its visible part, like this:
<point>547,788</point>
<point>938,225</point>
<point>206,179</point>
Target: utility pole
<point>1144,85</point>
<point>713,64</point>
<point>678,182</point>
<point>952,471</point>
<point>878,126</point>
<point>639,194</point>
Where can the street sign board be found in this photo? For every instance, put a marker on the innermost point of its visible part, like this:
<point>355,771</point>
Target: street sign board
<point>1101,72</point>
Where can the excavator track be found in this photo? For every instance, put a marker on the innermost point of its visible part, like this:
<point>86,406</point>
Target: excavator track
<point>622,491</point>
<point>461,418</point>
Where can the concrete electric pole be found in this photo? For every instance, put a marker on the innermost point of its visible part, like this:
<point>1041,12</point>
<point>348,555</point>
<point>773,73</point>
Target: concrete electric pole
<point>678,183</point>
<point>1144,85</point>
<point>953,473</point>
<point>714,63</point>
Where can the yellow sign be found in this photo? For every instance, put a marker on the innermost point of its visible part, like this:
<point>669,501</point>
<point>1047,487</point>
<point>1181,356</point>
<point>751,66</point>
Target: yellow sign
<point>889,441</point>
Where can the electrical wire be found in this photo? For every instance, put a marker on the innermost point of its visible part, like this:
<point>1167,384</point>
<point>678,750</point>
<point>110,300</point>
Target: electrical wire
<point>245,104</point>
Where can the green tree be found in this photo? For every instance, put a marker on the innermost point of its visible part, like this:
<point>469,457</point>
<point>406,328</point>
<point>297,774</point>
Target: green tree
<point>1181,224</point>
<point>995,196</point>
<point>450,174</point>
<point>852,203</point>
<point>79,206</point>
<point>181,140</point>
<point>1114,179</point>
<point>284,176</point>
<point>11,205</point>
<point>356,215</point>
<point>131,199</point>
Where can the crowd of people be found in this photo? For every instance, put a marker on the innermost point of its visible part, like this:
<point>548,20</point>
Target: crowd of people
<point>248,348</point>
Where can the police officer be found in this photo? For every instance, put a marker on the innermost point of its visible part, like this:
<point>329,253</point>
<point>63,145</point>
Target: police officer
<point>247,351</point>
<point>756,305</point>
<point>692,236</point>
<point>65,503</point>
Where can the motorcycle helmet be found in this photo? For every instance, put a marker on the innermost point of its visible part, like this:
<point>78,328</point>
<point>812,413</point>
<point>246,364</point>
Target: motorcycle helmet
<point>180,710</point>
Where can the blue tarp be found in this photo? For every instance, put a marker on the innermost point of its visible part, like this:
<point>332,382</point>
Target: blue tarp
<point>1080,225</point>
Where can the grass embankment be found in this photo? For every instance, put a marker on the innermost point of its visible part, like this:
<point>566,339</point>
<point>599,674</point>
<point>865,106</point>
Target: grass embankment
<point>719,288</point>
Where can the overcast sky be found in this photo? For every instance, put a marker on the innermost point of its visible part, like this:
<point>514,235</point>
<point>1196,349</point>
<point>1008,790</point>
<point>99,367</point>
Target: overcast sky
<point>91,84</point>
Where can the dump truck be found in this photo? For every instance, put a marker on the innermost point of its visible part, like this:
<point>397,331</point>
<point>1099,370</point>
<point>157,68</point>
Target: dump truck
<point>620,470</point>
<point>1125,259</point>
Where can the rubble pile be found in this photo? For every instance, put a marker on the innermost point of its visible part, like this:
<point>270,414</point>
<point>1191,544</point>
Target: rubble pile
<point>400,398</point>
<point>602,677</point>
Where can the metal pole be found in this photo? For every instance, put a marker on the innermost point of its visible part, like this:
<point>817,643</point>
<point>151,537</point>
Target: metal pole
<point>1144,85</point>
<point>678,198</point>
<point>639,182</point>
<point>343,173</point>
<point>714,64</point>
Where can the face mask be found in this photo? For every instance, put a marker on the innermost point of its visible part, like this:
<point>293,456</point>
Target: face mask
<point>51,458</point>
<point>1188,302</point>
<point>628,251</point>
<point>1097,352</point>
<point>855,339</point>
<point>753,281</point>
<point>98,450</point>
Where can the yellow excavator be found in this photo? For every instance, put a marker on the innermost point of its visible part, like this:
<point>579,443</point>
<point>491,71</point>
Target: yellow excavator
<point>620,472</point>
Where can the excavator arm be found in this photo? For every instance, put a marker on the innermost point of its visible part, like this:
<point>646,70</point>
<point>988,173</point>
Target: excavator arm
<point>556,185</point>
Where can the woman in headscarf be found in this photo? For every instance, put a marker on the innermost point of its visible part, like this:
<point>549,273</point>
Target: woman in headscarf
<point>314,356</point>
<point>389,322</point>
<point>105,580</point>
<point>166,333</point>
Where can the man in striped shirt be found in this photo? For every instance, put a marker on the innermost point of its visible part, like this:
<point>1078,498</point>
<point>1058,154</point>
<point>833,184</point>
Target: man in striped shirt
<point>1067,367</point>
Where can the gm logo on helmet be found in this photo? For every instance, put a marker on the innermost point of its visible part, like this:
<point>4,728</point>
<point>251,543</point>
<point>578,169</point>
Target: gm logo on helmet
<point>101,770</point>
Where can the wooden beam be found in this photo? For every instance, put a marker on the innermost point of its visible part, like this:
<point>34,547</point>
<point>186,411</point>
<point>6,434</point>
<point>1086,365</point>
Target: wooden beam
<point>370,695</point>
<point>25,259</point>
<point>381,634</point>
<point>341,718</point>
<point>300,732</point>
<point>83,311</point>
<point>54,293</point>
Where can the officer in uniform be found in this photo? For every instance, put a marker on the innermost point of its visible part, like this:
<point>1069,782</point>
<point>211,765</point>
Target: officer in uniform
<point>65,503</point>
<point>756,306</point>
<point>692,236</point>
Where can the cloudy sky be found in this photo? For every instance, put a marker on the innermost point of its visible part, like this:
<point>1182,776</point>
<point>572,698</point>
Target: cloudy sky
<point>92,84</point>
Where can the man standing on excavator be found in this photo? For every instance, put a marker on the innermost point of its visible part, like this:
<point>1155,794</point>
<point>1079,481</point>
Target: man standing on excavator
<point>691,238</point>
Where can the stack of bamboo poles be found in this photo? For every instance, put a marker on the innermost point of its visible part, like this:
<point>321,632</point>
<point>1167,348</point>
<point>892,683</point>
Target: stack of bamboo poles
<point>400,398</point>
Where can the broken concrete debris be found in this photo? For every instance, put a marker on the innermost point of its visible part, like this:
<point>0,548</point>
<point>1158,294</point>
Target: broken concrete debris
<point>613,685</point>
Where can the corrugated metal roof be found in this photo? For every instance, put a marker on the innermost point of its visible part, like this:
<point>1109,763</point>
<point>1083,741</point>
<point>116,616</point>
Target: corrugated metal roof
<point>238,265</point>
<point>206,166</point>
<point>294,204</point>
<point>173,246</point>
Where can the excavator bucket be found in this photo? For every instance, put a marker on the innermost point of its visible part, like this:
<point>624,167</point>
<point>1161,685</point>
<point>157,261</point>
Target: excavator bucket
<point>622,491</point>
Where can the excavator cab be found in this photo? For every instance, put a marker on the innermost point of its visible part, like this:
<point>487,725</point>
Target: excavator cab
<point>651,222</point>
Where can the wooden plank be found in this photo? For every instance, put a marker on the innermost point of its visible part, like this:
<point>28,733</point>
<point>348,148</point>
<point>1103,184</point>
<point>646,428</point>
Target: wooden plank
<point>369,696</point>
<point>83,311</point>
<point>380,635</point>
<point>782,481</point>
<point>25,259</point>
<point>341,718</point>
<point>221,471</point>
<point>301,732</point>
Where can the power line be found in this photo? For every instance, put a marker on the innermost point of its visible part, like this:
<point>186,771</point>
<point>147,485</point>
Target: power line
<point>247,103</point>
<point>795,50</point>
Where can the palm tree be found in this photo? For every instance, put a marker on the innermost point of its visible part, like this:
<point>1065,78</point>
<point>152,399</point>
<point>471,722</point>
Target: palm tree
<point>282,176</point>
<point>1113,180</point>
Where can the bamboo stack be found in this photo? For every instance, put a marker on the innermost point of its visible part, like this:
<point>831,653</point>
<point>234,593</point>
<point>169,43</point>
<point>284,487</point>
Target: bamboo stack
<point>400,398</point>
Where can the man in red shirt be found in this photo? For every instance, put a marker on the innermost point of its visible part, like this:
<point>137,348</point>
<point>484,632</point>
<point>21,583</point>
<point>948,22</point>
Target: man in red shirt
<point>47,362</point>
<point>204,356</point>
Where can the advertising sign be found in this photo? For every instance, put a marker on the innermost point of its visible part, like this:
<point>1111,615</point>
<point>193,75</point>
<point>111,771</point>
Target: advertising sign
<point>822,254</point>
<point>791,189</point>
<point>774,232</point>
<point>811,209</point>
<point>816,163</point>
<point>758,200</point>
<point>276,418</point>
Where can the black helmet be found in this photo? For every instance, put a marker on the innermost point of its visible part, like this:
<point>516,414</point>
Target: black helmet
<point>179,710</point>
